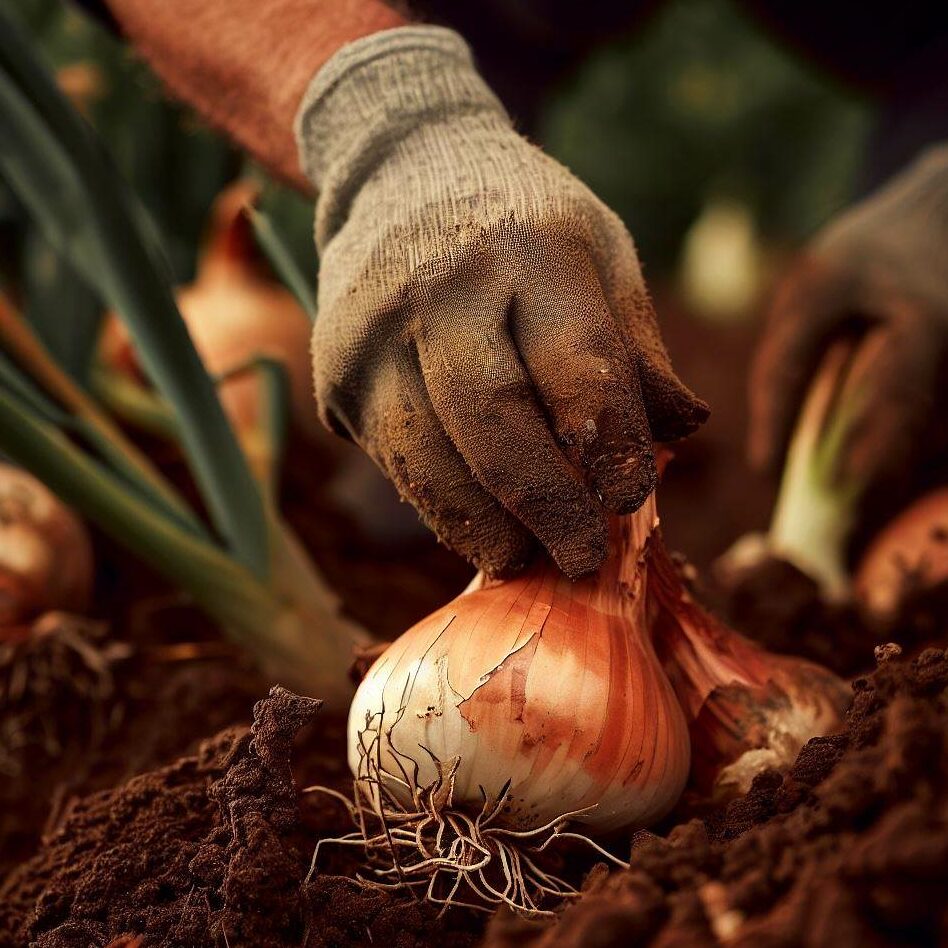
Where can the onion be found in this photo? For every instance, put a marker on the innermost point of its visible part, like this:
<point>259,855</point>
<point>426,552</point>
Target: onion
<point>45,553</point>
<point>526,703</point>
<point>551,685</point>
<point>910,554</point>
<point>234,311</point>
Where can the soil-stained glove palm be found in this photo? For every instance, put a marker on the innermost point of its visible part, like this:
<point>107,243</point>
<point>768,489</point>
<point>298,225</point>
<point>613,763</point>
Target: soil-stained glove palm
<point>879,270</point>
<point>483,329</point>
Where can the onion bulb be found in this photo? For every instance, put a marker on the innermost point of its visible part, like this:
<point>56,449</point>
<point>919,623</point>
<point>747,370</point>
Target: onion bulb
<point>550,685</point>
<point>910,554</point>
<point>747,709</point>
<point>45,553</point>
<point>530,702</point>
<point>235,311</point>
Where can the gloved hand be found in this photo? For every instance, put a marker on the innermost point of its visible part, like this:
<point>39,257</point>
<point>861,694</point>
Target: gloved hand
<point>483,328</point>
<point>881,266</point>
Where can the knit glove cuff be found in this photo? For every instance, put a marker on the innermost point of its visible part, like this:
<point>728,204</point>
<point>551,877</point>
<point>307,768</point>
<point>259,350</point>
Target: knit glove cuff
<point>370,96</point>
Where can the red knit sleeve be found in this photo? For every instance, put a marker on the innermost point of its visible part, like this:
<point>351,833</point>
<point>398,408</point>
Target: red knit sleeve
<point>244,64</point>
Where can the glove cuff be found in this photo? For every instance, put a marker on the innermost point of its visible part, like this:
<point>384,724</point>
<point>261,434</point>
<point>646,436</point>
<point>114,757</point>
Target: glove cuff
<point>370,96</point>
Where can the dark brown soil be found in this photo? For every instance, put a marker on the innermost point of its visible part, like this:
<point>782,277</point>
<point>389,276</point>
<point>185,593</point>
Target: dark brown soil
<point>799,622</point>
<point>209,850</point>
<point>850,847</point>
<point>91,739</point>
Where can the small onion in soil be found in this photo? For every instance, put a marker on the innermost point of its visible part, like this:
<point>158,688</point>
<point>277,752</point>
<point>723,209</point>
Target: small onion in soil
<point>46,560</point>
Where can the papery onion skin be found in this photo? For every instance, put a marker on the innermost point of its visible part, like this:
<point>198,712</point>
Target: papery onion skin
<point>46,560</point>
<point>595,692</point>
<point>747,708</point>
<point>550,684</point>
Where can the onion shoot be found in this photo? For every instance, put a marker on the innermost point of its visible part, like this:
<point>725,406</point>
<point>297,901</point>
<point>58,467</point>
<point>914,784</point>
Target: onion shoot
<point>818,500</point>
<point>228,548</point>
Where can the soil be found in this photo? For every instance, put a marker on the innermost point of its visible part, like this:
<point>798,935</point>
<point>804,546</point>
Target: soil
<point>850,847</point>
<point>209,850</point>
<point>151,793</point>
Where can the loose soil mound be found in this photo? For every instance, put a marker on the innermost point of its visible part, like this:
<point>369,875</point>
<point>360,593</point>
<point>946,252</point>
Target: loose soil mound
<point>851,847</point>
<point>203,852</point>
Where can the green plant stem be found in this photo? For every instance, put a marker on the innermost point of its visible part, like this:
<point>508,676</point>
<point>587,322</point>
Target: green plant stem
<point>59,171</point>
<point>257,580</point>
<point>281,259</point>
<point>814,514</point>
<point>134,402</point>
<point>264,443</point>
<point>19,340</point>
<point>293,627</point>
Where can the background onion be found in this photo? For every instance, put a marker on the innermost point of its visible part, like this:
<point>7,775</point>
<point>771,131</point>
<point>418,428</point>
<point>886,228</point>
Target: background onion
<point>910,554</point>
<point>235,311</point>
<point>46,557</point>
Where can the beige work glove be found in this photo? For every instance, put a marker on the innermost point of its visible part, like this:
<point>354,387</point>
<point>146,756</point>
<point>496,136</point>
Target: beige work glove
<point>484,332</point>
<point>878,272</point>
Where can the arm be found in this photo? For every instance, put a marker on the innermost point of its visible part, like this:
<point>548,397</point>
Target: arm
<point>244,64</point>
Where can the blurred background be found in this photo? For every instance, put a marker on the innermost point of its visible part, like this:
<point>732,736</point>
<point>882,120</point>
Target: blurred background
<point>720,150</point>
<point>697,124</point>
